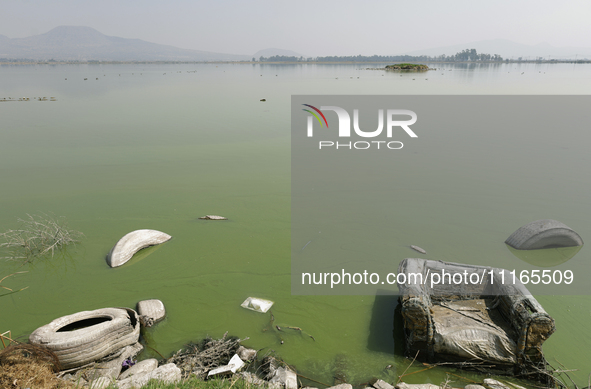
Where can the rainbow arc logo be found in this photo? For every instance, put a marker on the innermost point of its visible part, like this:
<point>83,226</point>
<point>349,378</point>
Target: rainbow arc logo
<point>314,114</point>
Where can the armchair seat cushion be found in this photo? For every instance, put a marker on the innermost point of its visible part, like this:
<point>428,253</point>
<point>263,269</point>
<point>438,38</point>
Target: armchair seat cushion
<point>467,330</point>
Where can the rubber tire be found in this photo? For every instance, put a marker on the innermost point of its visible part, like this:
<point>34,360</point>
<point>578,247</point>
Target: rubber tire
<point>82,346</point>
<point>542,234</point>
<point>133,242</point>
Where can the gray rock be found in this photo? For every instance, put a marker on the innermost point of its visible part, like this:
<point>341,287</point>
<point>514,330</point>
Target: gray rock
<point>474,386</point>
<point>344,386</point>
<point>100,383</point>
<point>494,384</point>
<point>246,354</point>
<point>404,385</point>
<point>145,366</point>
<point>151,311</point>
<point>286,377</point>
<point>111,369</point>
<point>168,373</point>
<point>252,378</point>
<point>380,384</point>
<point>79,381</point>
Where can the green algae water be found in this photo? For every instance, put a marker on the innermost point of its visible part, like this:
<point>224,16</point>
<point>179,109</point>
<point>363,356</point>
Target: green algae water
<point>157,146</point>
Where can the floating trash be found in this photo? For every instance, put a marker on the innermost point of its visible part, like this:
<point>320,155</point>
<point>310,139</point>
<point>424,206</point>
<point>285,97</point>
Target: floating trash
<point>257,304</point>
<point>417,248</point>
<point>133,242</point>
<point>213,217</point>
<point>542,234</point>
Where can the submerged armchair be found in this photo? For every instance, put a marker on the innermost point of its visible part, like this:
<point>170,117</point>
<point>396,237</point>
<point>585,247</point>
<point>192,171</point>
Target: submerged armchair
<point>486,321</point>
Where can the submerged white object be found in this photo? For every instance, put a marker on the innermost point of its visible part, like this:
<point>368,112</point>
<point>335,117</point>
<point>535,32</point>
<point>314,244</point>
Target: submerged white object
<point>417,248</point>
<point>151,311</point>
<point>257,304</point>
<point>213,217</point>
<point>132,243</point>
<point>233,366</point>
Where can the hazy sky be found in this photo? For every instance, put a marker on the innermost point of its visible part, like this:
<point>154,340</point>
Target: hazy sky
<point>321,27</point>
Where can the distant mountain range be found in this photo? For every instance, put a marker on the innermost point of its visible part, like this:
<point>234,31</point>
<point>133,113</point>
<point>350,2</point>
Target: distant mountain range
<point>85,43</point>
<point>511,50</point>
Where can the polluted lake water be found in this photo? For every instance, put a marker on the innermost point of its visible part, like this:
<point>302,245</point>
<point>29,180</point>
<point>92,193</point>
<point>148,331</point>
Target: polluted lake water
<point>145,150</point>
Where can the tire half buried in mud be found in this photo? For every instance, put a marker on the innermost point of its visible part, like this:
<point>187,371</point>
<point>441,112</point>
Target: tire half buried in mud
<point>542,234</point>
<point>88,336</point>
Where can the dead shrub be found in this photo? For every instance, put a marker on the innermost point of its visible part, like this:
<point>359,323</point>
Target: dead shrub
<point>29,366</point>
<point>37,236</point>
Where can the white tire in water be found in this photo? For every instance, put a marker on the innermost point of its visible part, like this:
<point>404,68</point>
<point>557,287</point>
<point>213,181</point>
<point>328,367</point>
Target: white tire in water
<point>132,243</point>
<point>88,336</point>
<point>541,234</point>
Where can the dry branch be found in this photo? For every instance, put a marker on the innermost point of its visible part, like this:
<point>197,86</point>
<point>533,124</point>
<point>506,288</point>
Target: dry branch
<point>198,359</point>
<point>11,291</point>
<point>37,236</point>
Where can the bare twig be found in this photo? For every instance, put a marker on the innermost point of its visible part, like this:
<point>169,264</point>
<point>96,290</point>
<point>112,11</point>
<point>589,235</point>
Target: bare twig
<point>9,338</point>
<point>445,384</point>
<point>153,349</point>
<point>464,378</point>
<point>402,375</point>
<point>565,371</point>
<point>551,376</point>
<point>11,291</point>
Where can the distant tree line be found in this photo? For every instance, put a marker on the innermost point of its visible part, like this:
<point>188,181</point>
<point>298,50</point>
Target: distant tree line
<point>467,55</point>
<point>15,60</point>
<point>27,60</point>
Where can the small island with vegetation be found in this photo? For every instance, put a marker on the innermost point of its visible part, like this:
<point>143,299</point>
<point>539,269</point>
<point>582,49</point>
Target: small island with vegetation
<point>408,66</point>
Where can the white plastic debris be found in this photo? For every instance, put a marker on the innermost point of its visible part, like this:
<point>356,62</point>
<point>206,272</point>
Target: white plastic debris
<point>213,217</point>
<point>236,363</point>
<point>233,366</point>
<point>257,304</point>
